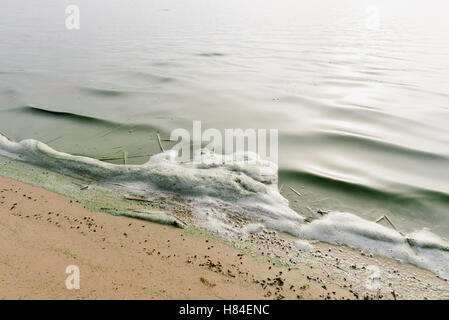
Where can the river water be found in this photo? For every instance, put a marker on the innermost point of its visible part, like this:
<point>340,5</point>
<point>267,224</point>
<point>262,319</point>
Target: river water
<point>359,90</point>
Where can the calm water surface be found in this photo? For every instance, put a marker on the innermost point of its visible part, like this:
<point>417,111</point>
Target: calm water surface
<point>359,90</point>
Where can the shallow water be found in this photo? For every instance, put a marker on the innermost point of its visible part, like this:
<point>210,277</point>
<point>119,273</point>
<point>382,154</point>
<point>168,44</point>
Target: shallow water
<point>361,107</point>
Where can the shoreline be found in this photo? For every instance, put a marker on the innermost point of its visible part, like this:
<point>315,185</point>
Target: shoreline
<point>46,231</point>
<point>120,257</point>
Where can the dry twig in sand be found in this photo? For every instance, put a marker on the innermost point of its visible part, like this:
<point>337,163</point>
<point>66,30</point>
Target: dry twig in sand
<point>137,199</point>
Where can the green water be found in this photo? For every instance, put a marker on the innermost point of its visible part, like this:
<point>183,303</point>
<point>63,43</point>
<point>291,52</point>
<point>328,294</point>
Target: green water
<point>362,111</point>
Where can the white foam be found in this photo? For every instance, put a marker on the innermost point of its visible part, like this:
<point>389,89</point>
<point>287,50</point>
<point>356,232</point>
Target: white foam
<point>423,248</point>
<point>248,187</point>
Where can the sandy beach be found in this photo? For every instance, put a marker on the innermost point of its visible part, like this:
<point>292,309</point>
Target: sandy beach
<point>123,258</point>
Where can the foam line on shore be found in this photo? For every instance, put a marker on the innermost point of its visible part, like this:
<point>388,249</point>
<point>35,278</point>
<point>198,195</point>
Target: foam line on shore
<point>222,191</point>
<point>421,248</point>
